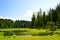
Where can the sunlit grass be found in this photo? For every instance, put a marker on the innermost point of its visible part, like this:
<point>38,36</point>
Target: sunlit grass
<point>29,31</point>
<point>53,37</point>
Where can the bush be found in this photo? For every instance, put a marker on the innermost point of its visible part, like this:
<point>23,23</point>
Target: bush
<point>45,33</point>
<point>8,33</point>
<point>51,26</point>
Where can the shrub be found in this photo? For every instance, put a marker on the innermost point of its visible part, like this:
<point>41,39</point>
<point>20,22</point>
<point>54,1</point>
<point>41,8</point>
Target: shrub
<point>51,26</point>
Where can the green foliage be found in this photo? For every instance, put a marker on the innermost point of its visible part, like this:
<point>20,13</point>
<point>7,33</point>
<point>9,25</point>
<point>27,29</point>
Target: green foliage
<point>33,20</point>
<point>6,23</point>
<point>51,26</point>
<point>58,12</point>
<point>44,18</point>
<point>39,19</point>
<point>53,15</point>
<point>50,15</point>
<point>21,24</point>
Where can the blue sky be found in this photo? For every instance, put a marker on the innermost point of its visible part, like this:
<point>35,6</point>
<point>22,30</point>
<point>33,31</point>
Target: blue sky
<point>23,9</point>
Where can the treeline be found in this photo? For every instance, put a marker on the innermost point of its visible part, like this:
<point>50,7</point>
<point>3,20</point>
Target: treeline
<point>39,20</point>
<point>47,20</point>
<point>8,23</point>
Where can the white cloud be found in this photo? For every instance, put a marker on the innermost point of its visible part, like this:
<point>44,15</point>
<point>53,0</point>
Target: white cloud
<point>10,18</point>
<point>28,15</point>
<point>2,17</point>
<point>17,18</point>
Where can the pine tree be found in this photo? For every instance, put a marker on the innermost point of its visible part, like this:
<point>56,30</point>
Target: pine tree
<point>44,18</point>
<point>58,12</point>
<point>50,15</point>
<point>33,20</point>
<point>39,19</point>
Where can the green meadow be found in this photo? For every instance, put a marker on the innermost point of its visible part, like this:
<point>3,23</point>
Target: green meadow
<point>30,34</point>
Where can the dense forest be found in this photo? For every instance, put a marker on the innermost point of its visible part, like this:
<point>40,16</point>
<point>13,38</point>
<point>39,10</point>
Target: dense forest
<point>38,20</point>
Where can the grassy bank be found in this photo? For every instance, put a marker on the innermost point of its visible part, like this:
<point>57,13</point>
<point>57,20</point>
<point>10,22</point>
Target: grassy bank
<point>53,37</point>
<point>56,35</point>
